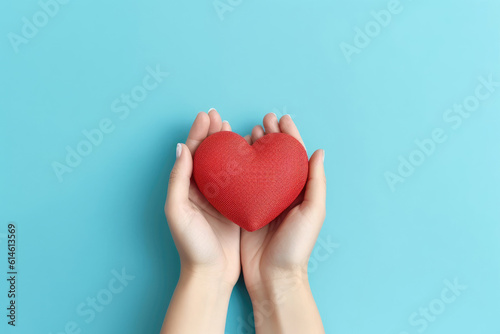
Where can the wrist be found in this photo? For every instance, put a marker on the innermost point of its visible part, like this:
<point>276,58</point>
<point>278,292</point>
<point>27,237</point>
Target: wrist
<point>205,278</point>
<point>285,304</point>
<point>199,295</point>
<point>278,284</point>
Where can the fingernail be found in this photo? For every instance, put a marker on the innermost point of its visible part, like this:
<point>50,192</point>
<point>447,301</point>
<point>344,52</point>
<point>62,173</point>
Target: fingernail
<point>225,122</point>
<point>209,110</point>
<point>178,151</point>
<point>323,156</point>
<point>287,115</point>
<point>274,115</point>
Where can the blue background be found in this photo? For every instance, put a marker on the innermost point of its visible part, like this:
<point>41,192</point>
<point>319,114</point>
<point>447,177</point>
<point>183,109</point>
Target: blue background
<point>394,248</point>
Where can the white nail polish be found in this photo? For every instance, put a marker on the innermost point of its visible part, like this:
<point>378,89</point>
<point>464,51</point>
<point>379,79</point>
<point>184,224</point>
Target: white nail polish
<point>178,151</point>
<point>225,122</point>
<point>209,110</point>
<point>323,156</point>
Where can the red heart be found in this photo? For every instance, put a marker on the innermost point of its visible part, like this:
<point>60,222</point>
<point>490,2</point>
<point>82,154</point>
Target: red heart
<point>250,184</point>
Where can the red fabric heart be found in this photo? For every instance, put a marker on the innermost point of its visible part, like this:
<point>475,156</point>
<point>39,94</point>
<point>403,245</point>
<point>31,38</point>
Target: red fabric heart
<point>250,184</point>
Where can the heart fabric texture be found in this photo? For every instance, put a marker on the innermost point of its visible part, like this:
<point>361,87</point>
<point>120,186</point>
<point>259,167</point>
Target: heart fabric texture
<point>250,184</point>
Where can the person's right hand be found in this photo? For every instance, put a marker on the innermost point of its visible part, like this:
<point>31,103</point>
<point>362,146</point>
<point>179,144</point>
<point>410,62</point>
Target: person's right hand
<point>208,243</point>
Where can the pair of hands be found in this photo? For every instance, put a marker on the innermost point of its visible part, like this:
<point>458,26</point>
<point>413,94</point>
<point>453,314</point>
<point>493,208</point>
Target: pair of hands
<point>213,250</point>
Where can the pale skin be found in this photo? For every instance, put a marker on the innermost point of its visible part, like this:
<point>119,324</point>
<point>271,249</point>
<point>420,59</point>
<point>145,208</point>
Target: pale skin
<point>213,250</point>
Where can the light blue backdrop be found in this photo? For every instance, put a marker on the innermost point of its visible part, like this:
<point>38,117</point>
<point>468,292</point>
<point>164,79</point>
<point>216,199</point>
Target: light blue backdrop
<point>364,84</point>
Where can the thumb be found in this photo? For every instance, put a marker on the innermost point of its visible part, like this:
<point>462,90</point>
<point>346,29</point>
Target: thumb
<point>179,182</point>
<point>315,193</point>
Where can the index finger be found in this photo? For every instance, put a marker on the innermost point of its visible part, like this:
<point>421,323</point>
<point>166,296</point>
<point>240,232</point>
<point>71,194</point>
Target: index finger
<point>198,132</point>
<point>287,126</point>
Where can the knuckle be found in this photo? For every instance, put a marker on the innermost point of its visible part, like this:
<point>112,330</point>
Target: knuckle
<point>174,175</point>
